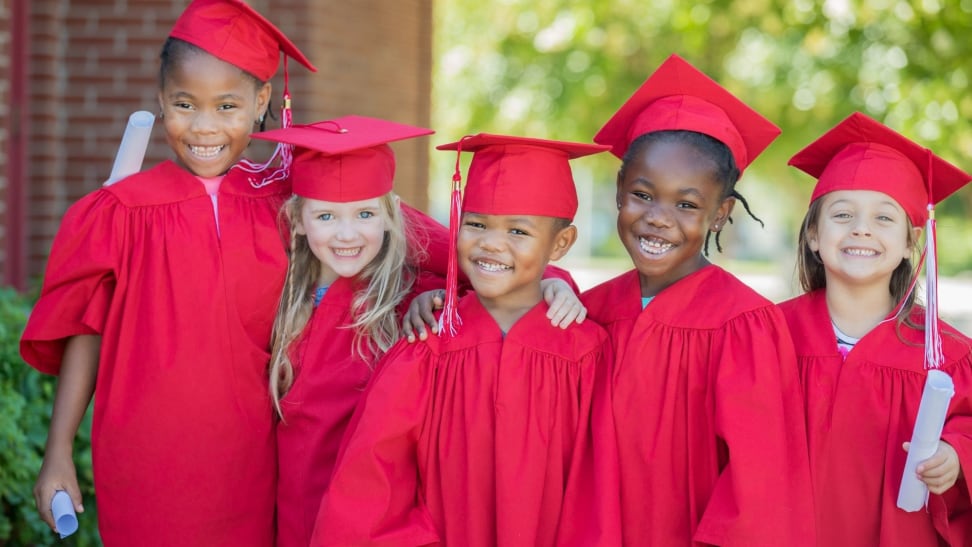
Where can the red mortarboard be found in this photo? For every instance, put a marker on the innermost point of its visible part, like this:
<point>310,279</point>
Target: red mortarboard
<point>344,159</point>
<point>520,175</point>
<point>232,31</point>
<point>860,153</point>
<point>677,96</point>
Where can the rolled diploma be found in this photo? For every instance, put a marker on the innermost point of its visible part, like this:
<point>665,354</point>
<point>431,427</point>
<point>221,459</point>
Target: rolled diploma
<point>924,438</point>
<point>65,518</point>
<point>131,151</point>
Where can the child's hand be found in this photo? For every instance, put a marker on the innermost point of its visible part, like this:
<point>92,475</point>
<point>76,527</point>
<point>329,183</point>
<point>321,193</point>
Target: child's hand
<point>420,313</point>
<point>941,470</point>
<point>565,306</point>
<point>56,474</point>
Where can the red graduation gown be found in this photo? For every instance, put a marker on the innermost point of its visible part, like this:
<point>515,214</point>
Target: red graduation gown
<point>469,440</point>
<point>329,380</point>
<point>707,412</point>
<point>859,411</point>
<point>183,428</point>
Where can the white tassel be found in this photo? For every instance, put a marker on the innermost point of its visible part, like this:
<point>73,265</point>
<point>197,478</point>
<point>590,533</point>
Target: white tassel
<point>933,338</point>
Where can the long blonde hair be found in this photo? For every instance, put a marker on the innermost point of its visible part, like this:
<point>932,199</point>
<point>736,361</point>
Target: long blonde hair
<point>383,283</point>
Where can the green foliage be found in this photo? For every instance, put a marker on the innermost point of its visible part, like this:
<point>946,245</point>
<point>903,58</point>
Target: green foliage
<point>559,69</point>
<point>26,397</point>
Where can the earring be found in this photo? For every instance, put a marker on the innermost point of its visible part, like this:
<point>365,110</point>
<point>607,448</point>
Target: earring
<point>619,206</point>
<point>261,118</point>
<point>161,114</point>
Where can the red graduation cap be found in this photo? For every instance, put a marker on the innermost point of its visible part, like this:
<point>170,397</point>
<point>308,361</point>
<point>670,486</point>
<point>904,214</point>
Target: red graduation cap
<point>861,153</point>
<point>520,176</point>
<point>344,159</point>
<point>234,32</point>
<point>677,96</point>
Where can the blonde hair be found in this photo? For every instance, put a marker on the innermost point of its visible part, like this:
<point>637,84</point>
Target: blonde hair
<point>383,283</point>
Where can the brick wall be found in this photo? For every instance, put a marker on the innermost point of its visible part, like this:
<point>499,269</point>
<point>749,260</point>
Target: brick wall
<point>93,62</point>
<point>5,17</point>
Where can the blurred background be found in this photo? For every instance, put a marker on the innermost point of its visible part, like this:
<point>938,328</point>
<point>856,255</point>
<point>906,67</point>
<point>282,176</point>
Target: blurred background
<point>560,69</point>
<point>72,72</point>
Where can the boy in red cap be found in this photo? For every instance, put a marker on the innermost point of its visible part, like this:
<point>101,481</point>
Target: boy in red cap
<point>159,295</point>
<point>706,402</point>
<point>860,343</point>
<point>469,439</point>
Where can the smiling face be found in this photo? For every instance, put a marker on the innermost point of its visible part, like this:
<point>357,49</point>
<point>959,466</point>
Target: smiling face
<point>209,108</point>
<point>345,237</point>
<point>861,237</point>
<point>668,199</point>
<point>504,256</point>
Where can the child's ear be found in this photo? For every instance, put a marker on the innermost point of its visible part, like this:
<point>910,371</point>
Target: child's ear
<point>915,238</point>
<point>263,99</point>
<point>812,242</point>
<point>617,194</point>
<point>563,241</point>
<point>722,214</point>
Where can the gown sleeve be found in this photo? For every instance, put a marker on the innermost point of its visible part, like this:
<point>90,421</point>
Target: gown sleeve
<point>79,281</point>
<point>763,495</point>
<point>952,511</point>
<point>374,497</point>
<point>592,499</point>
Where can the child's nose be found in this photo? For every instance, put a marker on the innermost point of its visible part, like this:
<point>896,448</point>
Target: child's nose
<point>345,230</point>
<point>862,227</point>
<point>657,215</point>
<point>489,241</point>
<point>204,122</point>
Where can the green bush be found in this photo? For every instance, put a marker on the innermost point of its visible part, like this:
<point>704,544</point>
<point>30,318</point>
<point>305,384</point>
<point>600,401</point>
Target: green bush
<point>25,409</point>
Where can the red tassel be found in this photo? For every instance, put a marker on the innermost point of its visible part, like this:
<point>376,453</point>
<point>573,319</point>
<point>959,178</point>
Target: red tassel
<point>450,321</point>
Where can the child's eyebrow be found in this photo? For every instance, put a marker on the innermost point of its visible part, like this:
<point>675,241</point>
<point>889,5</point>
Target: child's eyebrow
<point>692,191</point>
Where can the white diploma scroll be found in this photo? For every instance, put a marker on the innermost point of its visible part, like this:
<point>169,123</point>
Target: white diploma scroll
<point>65,519</point>
<point>131,151</point>
<point>939,389</point>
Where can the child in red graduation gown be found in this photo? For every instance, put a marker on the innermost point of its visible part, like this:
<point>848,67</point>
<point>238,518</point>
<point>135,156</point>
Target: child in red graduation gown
<point>707,409</point>
<point>860,341</point>
<point>159,296</point>
<point>469,439</point>
<point>355,253</point>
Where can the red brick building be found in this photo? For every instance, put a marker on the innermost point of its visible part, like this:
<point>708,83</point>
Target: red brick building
<point>72,72</point>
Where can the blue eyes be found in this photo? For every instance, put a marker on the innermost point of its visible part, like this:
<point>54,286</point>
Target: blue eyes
<point>363,215</point>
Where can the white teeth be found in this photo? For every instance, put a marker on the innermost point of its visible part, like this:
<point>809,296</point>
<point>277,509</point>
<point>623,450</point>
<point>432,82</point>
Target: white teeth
<point>654,245</point>
<point>492,266</point>
<point>860,252</point>
<point>347,252</point>
<point>205,151</point>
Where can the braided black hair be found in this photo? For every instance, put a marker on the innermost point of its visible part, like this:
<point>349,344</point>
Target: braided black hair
<point>175,50</point>
<point>726,171</point>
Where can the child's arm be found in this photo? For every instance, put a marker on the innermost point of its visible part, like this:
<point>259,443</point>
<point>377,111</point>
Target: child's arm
<point>75,386</point>
<point>565,308</point>
<point>941,470</point>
